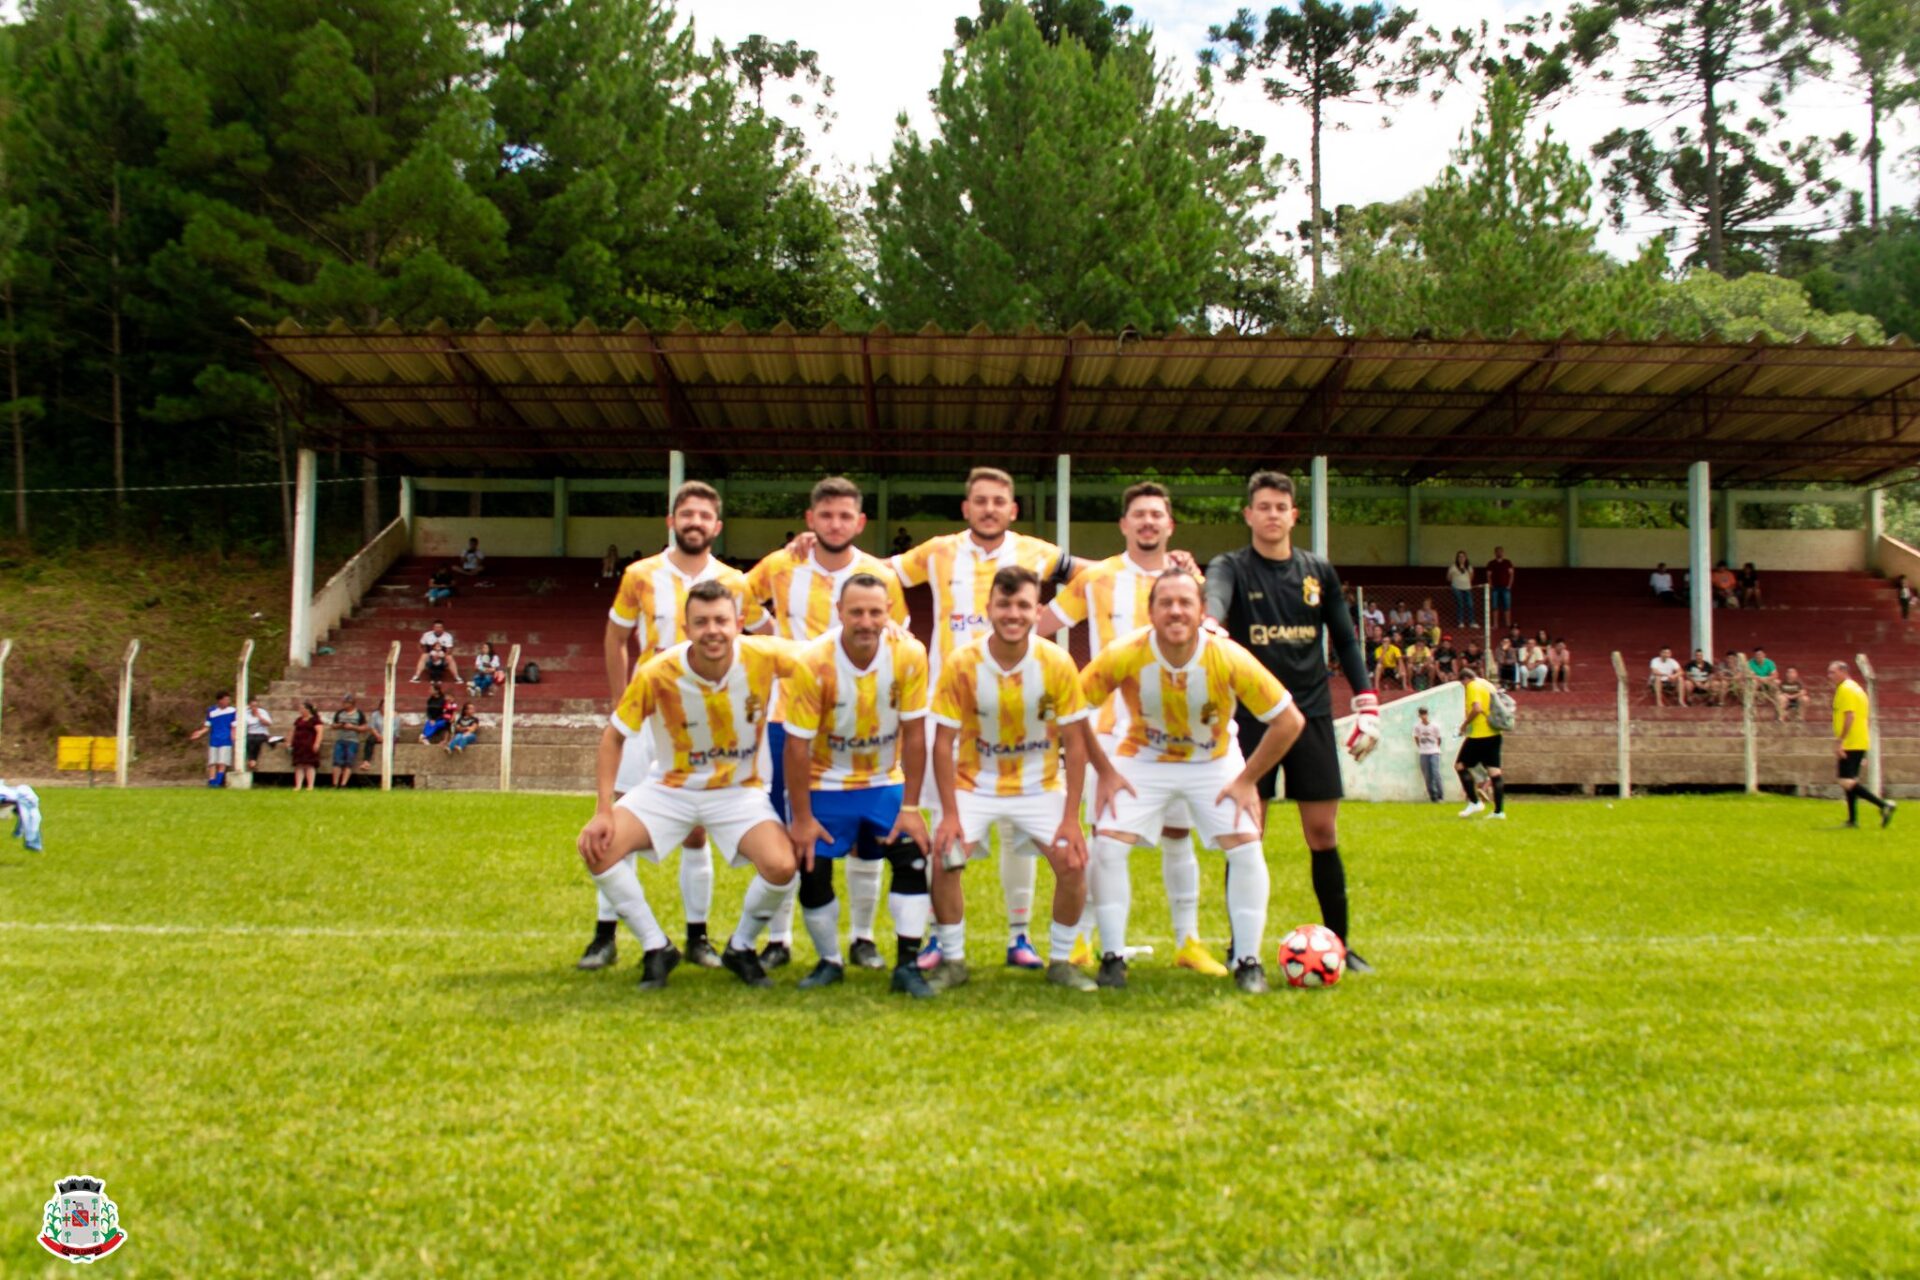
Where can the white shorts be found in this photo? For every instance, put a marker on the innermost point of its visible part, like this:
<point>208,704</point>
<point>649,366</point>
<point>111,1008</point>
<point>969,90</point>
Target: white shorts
<point>669,813</point>
<point>220,755</point>
<point>1179,814</point>
<point>1036,817</point>
<point>1178,794</point>
<point>929,789</point>
<point>636,758</point>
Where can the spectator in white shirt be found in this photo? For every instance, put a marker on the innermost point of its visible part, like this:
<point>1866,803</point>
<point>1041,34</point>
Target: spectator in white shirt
<point>435,639</point>
<point>1665,677</point>
<point>1426,740</point>
<point>486,670</point>
<point>1661,584</point>
<point>259,732</point>
<point>473,561</point>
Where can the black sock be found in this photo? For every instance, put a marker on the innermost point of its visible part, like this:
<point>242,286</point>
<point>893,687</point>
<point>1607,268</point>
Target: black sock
<point>605,931</point>
<point>696,933</point>
<point>1853,804</point>
<point>1330,886</point>
<point>1863,794</point>
<point>906,951</point>
<point>1466,786</point>
<point>1499,794</point>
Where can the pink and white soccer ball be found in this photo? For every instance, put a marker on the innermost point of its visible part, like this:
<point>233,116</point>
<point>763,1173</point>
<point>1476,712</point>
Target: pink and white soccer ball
<point>1312,955</point>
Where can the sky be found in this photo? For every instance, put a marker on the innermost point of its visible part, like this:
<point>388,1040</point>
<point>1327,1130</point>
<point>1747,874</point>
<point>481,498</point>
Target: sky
<point>885,55</point>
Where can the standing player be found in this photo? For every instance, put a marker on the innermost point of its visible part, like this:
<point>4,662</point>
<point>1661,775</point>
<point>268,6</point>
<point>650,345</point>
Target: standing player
<point>1279,601</point>
<point>1181,688</point>
<point>648,616</point>
<point>801,587</point>
<point>1850,741</point>
<point>707,700</point>
<point>1481,750</point>
<point>856,713</point>
<point>1005,705</point>
<point>1111,598</point>
<point>217,729</point>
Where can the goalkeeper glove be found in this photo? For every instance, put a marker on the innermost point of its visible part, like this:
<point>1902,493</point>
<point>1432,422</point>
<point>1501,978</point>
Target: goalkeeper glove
<point>1366,726</point>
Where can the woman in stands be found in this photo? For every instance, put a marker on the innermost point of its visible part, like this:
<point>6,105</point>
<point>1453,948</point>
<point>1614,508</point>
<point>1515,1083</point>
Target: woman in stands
<point>466,728</point>
<point>1460,578</point>
<point>1560,666</point>
<point>1427,619</point>
<point>486,670</point>
<point>304,743</point>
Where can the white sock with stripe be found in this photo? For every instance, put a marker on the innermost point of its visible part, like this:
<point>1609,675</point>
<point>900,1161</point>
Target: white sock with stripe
<point>621,886</point>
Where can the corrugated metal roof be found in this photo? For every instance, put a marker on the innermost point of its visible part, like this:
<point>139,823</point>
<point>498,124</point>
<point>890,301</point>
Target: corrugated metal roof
<point>588,399</point>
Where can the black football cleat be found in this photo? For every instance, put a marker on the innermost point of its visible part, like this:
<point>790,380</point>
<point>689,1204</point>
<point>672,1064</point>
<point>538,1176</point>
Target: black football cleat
<point>1250,977</point>
<point>777,955</point>
<point>909,981</point>
<point>824,974</point>
<point>745,965</point>
<point>600,954</point>
<point>655,965</point>
<point>1356,963</point>
<point>1886,813</point>
<point>700,952</point>
<point>865,955</point>
<point>1113,972</point>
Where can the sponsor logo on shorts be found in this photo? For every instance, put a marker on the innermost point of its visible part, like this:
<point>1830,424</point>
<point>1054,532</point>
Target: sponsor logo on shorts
<point>1160,739</point>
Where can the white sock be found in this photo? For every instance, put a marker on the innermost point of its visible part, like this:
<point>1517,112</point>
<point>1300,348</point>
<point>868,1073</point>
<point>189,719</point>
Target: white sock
<point>621,885</point>
<point>1059,941</point>
<point>1089,920</point>
<point>1017,872</point>
<point>1116,893</point>
<point>780,928</point>
<point>1180,870</point>
<point>696,881</point>
<point>953,940</point>
<point>909,912</point>
<point>762,901</point>
<point>863,895</point>
<point>602,909</point>
<point>823,926</point>
<point>1248,886</point>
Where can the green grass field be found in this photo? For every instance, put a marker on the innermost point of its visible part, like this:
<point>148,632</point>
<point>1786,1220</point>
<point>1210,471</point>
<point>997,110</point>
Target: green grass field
<point>341,1035</point>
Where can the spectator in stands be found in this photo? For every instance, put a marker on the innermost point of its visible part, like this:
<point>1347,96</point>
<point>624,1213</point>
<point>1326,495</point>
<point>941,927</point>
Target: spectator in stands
<point>259,733</point>
<point>1727,677</point>
<point>440,667</point>
<point>1903,596</point>
<point>1724,584</point>
<point>466,728</point>
<point>1661,584</point>
<point>473,561</point>
<point>1665,677</point>
<point>217,729</point>
<point>1400,618</point>
<point>376,734</point>
<point>1427,619</point>
<point>437,720</point>
<point>1699,675</point>
<point>1506,664</point>
<point>486,670</point>
<point>1533,666</point>
<point>1791,697</point>
<point>1426,741</point>
<point>1471,659</point>
<point>1418,662</point>
<point>1371,614</point>
<point>304,745</point>
<point>1353,608</point>
<point>1460,579</point>
<point>1560,666</point>
<point>435,639</point>
<point>610,565</point>
<point>349,722</point>
<point>1386,662</point>
<point>902,541</point>
<point>1500,575</point>
<point>1766,675</point>
<point>1747,583</point>
<point>440,585</point>
<point>1444,657</point>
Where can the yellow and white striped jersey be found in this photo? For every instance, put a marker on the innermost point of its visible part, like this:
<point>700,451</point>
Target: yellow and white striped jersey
<point>707,735</point>
<point>653,597</point>
<point>1181,713</point>
<point>1009,721</point>
<point>1111,597</point>
<point>961,575</point>
<point>804,594</point>
<point>853,715</point>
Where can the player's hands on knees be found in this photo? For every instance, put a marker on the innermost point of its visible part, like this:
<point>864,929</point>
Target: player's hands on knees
<point>596,839</point>
<point>1244,795</point>
<point>911,825</point>
<point>1070,845</point>
<point>803,833</point>
<point>1107,792</point>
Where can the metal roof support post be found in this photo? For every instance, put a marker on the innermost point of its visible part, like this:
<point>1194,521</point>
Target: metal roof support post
<point>1319,498</point>
<point>406,508</point>
<point>559,543</point>
<point>1875,524</point>
<point>883,500</point>
<point>300,632</point>
<point>1570,525</point>
<point>1730,526</point>
<point>1063,495</point>
<point>676,475</point>
<point>1700,556</point>
<point>1413,525</point>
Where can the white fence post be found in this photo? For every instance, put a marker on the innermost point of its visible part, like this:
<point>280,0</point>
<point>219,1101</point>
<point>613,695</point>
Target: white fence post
<point>1750,758</point>
<point>240,777</point>
<point>506,719</point>
<point>1624,744</point>
<point>1873,720</point>
<point>6,647</point>
<point>123,731</point>
<point>389,723</point>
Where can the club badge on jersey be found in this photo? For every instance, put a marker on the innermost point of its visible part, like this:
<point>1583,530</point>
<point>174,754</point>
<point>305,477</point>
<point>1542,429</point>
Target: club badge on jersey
<point>1310,592</point>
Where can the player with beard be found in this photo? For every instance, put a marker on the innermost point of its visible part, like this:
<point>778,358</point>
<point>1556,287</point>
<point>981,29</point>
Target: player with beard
<point>802,590</point>
<point>1280,602</point>
<point>649,616</point>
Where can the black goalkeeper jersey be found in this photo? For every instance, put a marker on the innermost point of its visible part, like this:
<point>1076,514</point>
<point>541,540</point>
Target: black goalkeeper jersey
<point>1277,609</point>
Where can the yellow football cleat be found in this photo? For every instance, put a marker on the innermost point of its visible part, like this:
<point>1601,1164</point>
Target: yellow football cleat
<point>1082,953</point>
<point>1193,954</point>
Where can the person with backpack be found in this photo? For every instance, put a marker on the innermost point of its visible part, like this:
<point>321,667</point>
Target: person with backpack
<point>1490,713</point>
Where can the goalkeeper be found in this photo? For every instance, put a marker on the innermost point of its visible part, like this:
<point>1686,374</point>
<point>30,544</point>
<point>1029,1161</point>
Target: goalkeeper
<point>1279,601</point>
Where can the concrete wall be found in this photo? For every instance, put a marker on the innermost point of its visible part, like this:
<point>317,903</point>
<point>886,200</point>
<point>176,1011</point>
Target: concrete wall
<point>1896,558</point>
<point>1811,549</point>
<point>1632,548</point>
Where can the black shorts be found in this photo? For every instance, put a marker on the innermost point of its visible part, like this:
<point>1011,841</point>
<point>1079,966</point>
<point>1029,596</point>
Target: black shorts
<point>1484,752</point>
<point>1311,765</point>
<point>1850,764</point>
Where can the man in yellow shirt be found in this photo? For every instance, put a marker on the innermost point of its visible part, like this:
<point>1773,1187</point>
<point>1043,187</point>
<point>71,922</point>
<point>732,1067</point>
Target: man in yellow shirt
<point>1850,740</point>
<point>1181,687</point>
<point>705,702</point>
<point>1481,748</point>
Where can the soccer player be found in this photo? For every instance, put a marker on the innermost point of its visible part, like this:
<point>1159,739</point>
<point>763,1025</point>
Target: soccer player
<point>1111,598</point>
<point>1850,740</point>
<point>1279,601</point>
<point>1004,707</point>
<point>217,729</point>
<point>1181,688</point>
<point>856,714</point>
<point>1481,748</point>
<point>705,701</point>
<point>801,588</point>
<point>648,615</point>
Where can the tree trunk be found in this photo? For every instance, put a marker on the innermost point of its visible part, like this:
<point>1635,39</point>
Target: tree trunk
<point>1710,129</point>
<point>19,425</point>
<point>1313,191</point>
<point>286,483</point>
<point>1873,151</point>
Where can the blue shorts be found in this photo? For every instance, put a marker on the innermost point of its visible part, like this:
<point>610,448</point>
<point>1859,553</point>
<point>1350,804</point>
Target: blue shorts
<point>1501,598</point>
<point>858,821</point>
<point>777,777</point>
<point>345,753</point>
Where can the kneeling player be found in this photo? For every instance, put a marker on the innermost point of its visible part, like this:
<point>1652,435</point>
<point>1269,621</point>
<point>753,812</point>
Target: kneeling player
<point>1005,706</point>
<point>1181,687</point>
<point>856,712</point>
<point>707,698</point>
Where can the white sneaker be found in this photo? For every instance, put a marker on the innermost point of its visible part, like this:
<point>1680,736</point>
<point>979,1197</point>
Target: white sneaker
<point>1501,815</point>
<point>1472,809</point>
